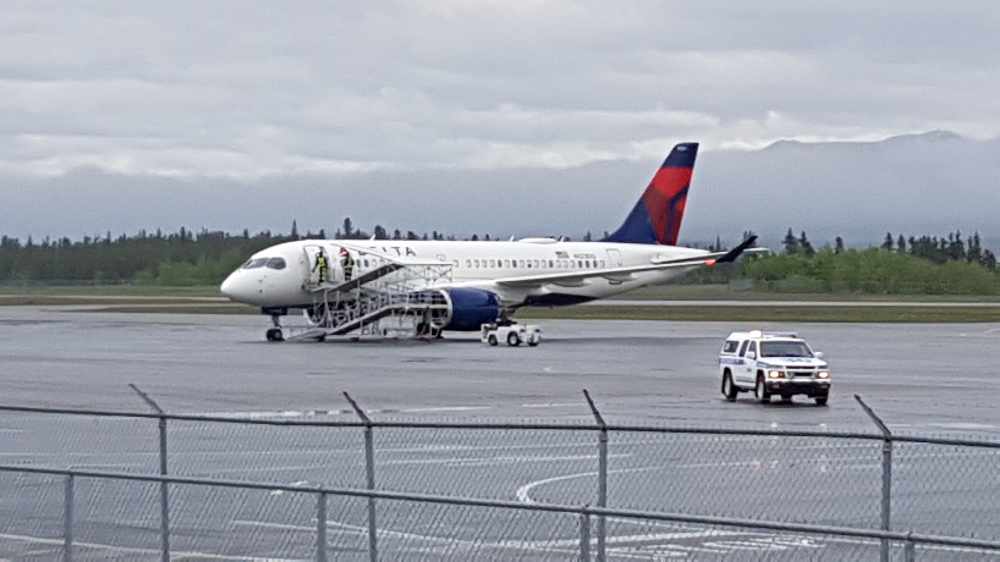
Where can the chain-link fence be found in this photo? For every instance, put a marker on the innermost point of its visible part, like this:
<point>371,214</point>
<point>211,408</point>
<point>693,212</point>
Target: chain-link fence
<point>90,515</point>
<point>872,481</point>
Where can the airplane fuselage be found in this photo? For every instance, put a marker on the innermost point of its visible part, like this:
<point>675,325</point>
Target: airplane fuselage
<point>469,264</point>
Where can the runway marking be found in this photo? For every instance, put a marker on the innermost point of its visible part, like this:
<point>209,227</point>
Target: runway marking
<point>175,555</point>
<point>552,405</point>
<point>446,409</point>
<point>488,461</point>
<point>386,533</point>
<point>523,495</point>
<point>296,484</point>
<point>244,470</point>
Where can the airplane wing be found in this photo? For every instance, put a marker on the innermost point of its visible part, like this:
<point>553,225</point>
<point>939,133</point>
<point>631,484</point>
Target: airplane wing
<point>622,274</point>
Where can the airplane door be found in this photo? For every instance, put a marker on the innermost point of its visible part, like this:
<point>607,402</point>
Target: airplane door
<point>311,252</point>
<point>614,258</point>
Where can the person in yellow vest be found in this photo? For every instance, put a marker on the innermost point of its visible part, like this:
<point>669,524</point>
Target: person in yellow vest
<point>348,263</point>
<point>323,267</point>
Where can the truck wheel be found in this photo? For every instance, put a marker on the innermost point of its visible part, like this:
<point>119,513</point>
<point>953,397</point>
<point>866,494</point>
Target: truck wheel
<point>492,340</point>
<point>822,400</point>
<point>728,389</point>
<point>761,391</point>
<point>513,339</point>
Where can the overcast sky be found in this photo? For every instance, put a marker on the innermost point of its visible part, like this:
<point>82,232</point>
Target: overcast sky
<point>258,91</point>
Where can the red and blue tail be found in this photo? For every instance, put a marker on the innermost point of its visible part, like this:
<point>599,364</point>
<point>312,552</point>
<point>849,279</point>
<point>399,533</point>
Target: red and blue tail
<point>656,218</point>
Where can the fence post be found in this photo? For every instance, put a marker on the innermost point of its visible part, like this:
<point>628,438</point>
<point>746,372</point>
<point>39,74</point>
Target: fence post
<point>369,477</point>
<point>602,476</point>
<point>909,549</point>
<point>584,535</point>
<point>164,487</point>
<point>886,476</point>
<point>68,520</point>
<point>321,528</point>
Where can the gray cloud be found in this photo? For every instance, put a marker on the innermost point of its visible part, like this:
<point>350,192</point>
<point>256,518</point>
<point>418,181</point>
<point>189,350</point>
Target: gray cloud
<point>230,89</point>
<point>246,107</point>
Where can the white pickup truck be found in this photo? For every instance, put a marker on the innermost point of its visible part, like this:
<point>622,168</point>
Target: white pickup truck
<point>772,363</point>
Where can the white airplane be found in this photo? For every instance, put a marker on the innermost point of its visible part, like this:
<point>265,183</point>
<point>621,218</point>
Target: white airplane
<point>487,281</point>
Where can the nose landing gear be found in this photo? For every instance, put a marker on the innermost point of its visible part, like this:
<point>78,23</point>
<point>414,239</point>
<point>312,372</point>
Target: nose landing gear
<point>275,333</point>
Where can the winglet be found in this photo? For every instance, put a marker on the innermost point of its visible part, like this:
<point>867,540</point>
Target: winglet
<point>731,255</point>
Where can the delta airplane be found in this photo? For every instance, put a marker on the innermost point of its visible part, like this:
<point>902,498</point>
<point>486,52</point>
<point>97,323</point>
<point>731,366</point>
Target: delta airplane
<point>489,280</point>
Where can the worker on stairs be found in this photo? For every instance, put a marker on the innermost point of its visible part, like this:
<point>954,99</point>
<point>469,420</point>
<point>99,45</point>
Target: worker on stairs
<point>322,267</point>
<point>347,261</point>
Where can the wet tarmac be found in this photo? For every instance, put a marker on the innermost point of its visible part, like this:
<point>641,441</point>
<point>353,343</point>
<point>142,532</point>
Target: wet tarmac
<point>919,378</point>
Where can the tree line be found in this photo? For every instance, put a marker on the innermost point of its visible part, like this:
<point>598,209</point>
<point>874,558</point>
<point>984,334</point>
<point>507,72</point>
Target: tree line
<point>923,264</point>
<point>952,263</point>
<point>938,250</point>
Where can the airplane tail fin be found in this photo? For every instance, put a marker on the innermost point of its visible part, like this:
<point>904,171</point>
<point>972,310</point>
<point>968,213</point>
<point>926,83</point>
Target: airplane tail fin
<point>656,217</point>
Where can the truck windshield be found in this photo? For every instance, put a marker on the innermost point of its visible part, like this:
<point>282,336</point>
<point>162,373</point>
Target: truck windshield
<point>784,349</point>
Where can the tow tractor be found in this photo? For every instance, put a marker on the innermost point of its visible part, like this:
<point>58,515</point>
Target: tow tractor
<point>512,334</point>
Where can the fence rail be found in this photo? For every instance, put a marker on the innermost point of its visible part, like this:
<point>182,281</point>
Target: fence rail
<point>583,513</point>
<point>860,485</point>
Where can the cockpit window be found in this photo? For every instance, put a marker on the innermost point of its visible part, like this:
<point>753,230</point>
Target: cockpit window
<point>276,263</point>
<point>254,263</point>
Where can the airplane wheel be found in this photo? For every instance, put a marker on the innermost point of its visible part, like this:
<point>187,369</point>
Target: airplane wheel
<point>492,340</point>
<point>513,339</point>
<point>274,334</point>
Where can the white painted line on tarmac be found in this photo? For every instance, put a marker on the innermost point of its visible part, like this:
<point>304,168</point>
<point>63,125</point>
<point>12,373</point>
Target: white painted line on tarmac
<point>449,542</point>
<point>247,470</point>
<point>445,409</point>
<point>489,461</point>
<point>523,493</point>
<point>181,555</point>
<point>552,405</point>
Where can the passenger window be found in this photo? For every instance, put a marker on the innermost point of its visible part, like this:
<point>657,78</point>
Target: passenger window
<point>468,263</point>
<point>552,265</point>
<point>276,263</point>
<point>743,348</point>
<point>730,346</point>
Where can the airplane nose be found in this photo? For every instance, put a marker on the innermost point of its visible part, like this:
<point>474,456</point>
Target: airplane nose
<point>230,288</point>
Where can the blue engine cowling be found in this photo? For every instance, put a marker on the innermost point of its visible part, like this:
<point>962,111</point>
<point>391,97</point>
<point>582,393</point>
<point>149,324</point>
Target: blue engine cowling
<point>471,308</point>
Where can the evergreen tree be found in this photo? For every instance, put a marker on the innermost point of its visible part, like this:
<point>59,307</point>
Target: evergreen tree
<point>806,246</point>
<point>587,237</point>
<point>888,242</point>
<point>791,243</point>
<point>975,251</point>
<point>475,238</point>
<point>397,235</point>
<point>380,233</point>
<point>989,260</point>
<point>295,230</point>
<point>901,245</point>
<point>838,246</point>
<point>348,228</point>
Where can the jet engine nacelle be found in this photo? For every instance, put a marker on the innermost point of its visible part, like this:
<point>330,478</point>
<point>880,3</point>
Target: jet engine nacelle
<point>469,309</point>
